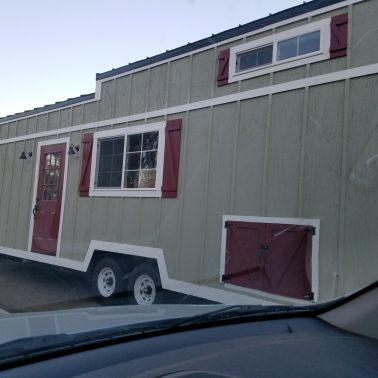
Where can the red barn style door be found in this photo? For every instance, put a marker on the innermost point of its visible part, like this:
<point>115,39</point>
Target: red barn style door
<point>274,258</point>
<point>48,203</point>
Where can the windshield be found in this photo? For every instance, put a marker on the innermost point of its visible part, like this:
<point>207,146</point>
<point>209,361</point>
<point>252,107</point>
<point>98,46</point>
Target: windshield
<point>239,169</point>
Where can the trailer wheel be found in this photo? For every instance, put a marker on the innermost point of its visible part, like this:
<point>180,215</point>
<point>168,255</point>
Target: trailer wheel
<point>144,285</point>
<point>107,282</point>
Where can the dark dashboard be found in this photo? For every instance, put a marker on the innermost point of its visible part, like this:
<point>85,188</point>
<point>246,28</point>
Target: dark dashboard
<point>339,342</point>
<point>302,347</point>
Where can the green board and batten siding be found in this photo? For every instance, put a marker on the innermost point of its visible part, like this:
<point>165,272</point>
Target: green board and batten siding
<point>289,154</point>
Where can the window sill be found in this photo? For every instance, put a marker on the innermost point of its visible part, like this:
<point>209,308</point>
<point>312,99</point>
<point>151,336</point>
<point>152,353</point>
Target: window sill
<point>278,67</point>
<point>149,193</point>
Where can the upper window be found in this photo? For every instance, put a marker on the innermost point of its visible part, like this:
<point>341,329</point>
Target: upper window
<point>128,161</point>
<point>302,45</point>
<point>254,58</point>
<point>297,46</point>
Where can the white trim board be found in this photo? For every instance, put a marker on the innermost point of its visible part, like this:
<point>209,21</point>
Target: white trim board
<point>215,45</point>
<point>35,187</point>
<point>264,91</point>
<point>297,221</point>
<point>206,292</point>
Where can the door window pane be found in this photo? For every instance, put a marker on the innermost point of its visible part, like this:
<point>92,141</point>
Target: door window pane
<point>51,174</point>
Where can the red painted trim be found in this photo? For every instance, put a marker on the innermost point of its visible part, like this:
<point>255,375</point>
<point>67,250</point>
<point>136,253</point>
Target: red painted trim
<point>339,36</point>
<point>223,66</point>
<point>86,165</point>
<point>171,158</point>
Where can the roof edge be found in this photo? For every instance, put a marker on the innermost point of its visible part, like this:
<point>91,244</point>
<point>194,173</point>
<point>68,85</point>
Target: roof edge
<point>283,15</point>
<point>222,36</point>
<point>47,108</point>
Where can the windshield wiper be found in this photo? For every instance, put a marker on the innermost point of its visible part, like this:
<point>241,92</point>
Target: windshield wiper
<point>33,347</point>
<point>242,312</point>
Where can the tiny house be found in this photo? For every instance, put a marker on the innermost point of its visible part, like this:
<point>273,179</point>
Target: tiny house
<point>241,168</point>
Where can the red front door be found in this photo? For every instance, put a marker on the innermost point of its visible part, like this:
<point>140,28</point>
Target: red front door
<point>48,202</point>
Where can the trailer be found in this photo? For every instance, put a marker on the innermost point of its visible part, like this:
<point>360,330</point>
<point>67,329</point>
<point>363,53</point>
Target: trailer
<point>241,168</point>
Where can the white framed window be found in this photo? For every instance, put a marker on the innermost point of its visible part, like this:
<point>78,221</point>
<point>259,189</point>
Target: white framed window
<point>305,44</point>
<point>128,162</point>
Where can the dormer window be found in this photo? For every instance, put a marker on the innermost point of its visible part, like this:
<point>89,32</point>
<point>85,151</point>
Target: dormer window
<point>305,44</point>
<point>298,46</point>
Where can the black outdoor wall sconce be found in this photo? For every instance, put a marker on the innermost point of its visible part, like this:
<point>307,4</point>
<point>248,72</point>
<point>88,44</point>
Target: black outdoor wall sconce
<point>26,155</point>
<point>74,149</point>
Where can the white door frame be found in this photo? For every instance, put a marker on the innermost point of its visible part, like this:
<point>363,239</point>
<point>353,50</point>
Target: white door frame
<point>36,175</point>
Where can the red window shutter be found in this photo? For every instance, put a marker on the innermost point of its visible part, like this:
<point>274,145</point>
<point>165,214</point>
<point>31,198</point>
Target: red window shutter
<point>223,64</point>
<point>171,158</point>
<point>86,164</point>
<point>339,35</point>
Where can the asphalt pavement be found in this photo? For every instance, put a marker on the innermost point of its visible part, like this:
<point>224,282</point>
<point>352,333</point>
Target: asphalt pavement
<point>27,286</point>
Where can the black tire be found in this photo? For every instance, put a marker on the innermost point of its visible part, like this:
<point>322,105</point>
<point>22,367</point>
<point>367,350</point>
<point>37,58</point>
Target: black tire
<point>144,286</point>
<point>107,281</point>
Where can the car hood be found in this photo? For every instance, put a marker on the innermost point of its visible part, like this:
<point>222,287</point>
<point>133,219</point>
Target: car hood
<point>29,325</point>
